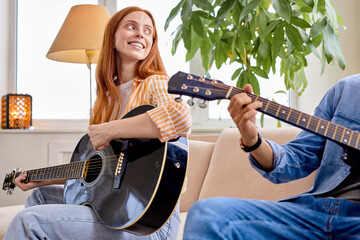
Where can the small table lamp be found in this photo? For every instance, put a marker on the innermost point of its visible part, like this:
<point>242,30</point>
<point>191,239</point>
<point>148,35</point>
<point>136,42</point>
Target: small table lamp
<point>79,39</point>
<point>16,111</point>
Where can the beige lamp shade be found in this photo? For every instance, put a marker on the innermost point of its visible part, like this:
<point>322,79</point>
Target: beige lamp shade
<point>80,37</point>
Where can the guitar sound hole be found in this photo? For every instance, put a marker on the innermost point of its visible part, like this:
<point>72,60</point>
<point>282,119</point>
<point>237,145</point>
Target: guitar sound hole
<point>93,168</point>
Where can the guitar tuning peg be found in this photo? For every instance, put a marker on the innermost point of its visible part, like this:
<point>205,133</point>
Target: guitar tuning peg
<point>202,104</point>
<point>178,99</point>
<point>190,102</point>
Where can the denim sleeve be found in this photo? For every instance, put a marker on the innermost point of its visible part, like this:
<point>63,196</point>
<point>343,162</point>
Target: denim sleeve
<point>301,156</point>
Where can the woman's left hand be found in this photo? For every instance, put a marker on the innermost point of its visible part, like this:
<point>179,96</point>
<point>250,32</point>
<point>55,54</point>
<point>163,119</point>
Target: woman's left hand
<point>99,135</point>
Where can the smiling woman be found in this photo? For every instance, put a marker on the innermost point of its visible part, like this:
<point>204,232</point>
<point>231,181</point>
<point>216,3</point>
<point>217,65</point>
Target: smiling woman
<point>129,55</point>
<point>61,90</point>
<point>133,39</point>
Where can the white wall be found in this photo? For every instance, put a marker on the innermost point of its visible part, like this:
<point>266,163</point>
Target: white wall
<point>4,43</point>
<point>350,46</point>
<point>32,150</point>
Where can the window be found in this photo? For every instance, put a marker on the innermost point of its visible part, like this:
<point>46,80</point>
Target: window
<point>59,90</point>
<point>268,87</point>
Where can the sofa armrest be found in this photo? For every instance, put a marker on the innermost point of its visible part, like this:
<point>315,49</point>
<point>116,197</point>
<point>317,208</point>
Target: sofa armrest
<point>198,162</point>
<point>6,216</point>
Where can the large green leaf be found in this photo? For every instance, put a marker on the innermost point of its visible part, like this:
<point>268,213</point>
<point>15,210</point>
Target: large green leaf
<point>270,27</point>
<point>294,37</point>
<point>321,6</point>
<point>223,11</point>
<point>254,82</point>
<point>172,15</point>
<point>205,51</point>
<point>300,22</point>
<point>206,5</point>
<point>282,7</point>
<point>263,50</point>
<point>186,12</point>
<point>248,8</point>
<point>258,71</point>
<point>197,25</point>
<point>278,40</point>
<point>220,54</point>
<point>236,73</point>
<point>177,39</point>
<point>186,36</point>
<point>245,34</point>
<point>195,45</point>
<point>332,47</point>
<point>308,42</point>
<point>318,27</point>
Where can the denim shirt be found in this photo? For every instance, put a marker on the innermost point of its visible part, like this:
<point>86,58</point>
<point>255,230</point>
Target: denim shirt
<point>308,152</point>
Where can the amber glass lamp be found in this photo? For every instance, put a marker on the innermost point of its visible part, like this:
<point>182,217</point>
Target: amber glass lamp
<point>16,111</point>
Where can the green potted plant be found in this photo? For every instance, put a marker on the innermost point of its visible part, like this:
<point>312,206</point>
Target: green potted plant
<point>258,34</point>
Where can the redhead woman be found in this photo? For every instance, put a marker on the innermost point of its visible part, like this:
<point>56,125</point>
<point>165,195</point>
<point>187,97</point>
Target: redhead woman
<point>130,73</point>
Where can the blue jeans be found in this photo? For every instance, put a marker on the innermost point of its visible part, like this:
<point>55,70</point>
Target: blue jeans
<point>46,217</point>
<point>307,217</point>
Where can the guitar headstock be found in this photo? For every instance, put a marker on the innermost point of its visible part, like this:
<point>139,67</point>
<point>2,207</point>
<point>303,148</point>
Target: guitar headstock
<point>9,184</point>
<point>194,86</point>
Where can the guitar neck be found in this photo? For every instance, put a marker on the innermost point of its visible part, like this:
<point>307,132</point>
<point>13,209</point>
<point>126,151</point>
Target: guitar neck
<point>307,122</point>
<point>210,89</point>
<point>65,171</point>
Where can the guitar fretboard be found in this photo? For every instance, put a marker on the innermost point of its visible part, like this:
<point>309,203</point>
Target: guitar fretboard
<point>210,89</point>
<point>335,132</point>
<point>65,171</point>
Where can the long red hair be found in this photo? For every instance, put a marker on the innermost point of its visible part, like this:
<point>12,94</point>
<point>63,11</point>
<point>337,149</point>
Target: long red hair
<point>108,97</point>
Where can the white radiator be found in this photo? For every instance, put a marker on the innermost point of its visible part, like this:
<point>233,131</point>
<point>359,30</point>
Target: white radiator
<point>60,152</point>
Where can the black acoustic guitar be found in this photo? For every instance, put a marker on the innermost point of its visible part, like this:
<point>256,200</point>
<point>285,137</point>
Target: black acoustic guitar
<point>133,184</point>
<point>209,89</point>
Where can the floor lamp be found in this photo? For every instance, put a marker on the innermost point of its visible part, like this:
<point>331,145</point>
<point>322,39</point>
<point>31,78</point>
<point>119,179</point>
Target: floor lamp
<point>79,39</point>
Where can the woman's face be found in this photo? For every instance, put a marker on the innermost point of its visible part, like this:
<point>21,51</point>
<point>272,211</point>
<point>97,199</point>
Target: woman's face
<point>134,37</point>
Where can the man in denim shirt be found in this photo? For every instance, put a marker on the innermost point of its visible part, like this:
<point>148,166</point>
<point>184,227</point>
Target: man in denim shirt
<point>329,210</point>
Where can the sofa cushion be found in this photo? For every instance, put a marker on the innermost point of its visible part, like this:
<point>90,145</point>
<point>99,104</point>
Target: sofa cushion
<point>200,152</point>
<point>230,173</point>
<point>6,216</point>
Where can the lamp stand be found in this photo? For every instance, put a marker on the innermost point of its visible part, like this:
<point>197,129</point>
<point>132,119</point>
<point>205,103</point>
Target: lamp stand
<point>90,56</point>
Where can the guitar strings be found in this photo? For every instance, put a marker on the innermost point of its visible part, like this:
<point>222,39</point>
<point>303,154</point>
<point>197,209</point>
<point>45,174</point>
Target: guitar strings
<point>330,128</point>
<point>91,169</point>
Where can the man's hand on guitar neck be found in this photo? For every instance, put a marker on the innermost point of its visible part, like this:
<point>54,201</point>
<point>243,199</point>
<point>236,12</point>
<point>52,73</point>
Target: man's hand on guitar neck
<point>243,111</point>
<point>20,181</point>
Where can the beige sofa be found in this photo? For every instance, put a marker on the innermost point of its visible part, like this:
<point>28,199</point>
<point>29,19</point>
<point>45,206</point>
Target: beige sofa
<point>218,167</point>
<point>221,168</point>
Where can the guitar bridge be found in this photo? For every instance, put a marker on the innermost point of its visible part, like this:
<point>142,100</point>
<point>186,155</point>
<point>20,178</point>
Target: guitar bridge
<point>121,165</point>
